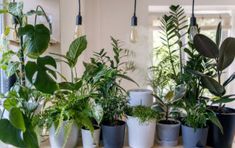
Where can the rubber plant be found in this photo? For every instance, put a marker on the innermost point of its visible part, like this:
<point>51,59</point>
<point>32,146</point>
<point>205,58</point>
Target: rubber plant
<point>223,56</point>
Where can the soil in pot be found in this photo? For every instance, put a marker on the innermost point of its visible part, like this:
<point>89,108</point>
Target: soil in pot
<point>89,140</point>
<point>57,139</point>
<point>140,135</point>
<point>168,132</point>
<point>194,138</point>
<point>113,135</point>
<point>227,119</point>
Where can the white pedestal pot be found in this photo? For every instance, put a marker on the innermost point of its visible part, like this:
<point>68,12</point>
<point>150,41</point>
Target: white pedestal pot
<point>57,139</point>
<point>89,140</point>
<point>140,97</point>
<point>140,135</point>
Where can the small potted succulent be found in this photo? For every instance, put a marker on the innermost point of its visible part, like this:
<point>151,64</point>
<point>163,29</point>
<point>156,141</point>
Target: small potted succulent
<point>104,74</point>
<point>194,126</point>
<point>141,123</point>
<point>168,128</point>
<point>222,56</point>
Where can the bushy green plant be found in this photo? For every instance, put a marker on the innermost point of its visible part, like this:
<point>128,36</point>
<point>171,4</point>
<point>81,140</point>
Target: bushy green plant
<point>143,113</point>
<point>104,74</point>
<point>198,116</point>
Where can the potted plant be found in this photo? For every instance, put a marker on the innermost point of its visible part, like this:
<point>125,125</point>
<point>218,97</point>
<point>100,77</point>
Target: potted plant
<point>105,73</point>
<point>194,126</point>
<point>22,101</point>
<point>168,128</point>
<point>222,56</point>
<point>141,123</point>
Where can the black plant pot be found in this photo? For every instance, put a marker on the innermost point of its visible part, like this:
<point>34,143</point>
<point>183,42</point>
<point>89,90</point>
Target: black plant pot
<point>113,136</point>
<point>194,138</point>
<point>218,140</point>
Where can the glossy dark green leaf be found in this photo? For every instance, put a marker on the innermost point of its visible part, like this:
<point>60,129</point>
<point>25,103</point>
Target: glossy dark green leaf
<point>37,39</point>
<point>9,134</point>
<point>16,118</point>
<point>218,34</point>
<point>75,50</point>
<point>227,53</point>
<point>205,46</point>
<point>127,78</point>
<point>41,75</point>
<point>213,86</point>
<point>30,139</point>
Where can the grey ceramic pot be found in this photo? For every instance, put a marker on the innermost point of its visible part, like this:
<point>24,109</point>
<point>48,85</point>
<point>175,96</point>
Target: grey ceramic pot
<point>113,136</point>
<point>168,132</point>
<point>194,138</point>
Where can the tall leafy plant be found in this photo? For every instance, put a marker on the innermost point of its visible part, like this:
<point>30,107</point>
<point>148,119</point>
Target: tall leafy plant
<point>168,71</point>
<point>23,100</point>
<point>222,56</point>
<point>105,73</point>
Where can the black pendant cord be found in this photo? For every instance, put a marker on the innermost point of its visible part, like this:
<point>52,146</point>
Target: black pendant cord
<point>135,8</point>
<point>193,8</point>
<point>79,7</point>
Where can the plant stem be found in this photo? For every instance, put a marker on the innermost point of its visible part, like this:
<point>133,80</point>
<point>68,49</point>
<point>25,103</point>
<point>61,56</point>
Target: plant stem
<point>72,76</point>
<point>167,113</point>
<point>22,60</point>
<point>3,113</point>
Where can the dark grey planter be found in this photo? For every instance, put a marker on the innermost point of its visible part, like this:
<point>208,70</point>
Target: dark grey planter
<point>215,138</point>
<point>194,138</point>
<point>168,132</point>
<point>113,136</point>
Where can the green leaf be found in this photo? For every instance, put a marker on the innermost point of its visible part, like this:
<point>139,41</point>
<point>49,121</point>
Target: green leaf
<point>205,46</point>
<point>16,8</point>
<point>30,138</point>
<point>223,100</point>
<point>30,106</point>
<point>70,86</point>
<point>12,68</point>
<point>218,34</point>
<point>215,121</point>
<point>227,53</point>
<point>179,92</point>
<point>37,39</point>
<point>42,76</point>
<point>3,11</point>
<point>169,96</point>
<point>127,78</point>
<point>97,110</point>
<point>9,103</point>
<point>17,119</point>
<point>9,134</point>
<point>213,86</point>
<point>76,49</point>
<point>229,80</point>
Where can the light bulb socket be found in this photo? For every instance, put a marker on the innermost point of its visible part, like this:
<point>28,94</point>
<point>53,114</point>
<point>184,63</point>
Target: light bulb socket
<point>193,21</point>
<point>134,21</point>
<point>79,20</point>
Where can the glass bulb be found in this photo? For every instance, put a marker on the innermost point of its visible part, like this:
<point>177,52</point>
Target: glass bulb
<point>78,31</point>
<point>192,32</point>
<point>134,34</point>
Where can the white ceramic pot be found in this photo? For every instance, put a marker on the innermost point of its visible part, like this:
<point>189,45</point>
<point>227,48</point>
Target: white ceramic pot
<point>140,97</point>
<point>89,141</point>
<point>140,135</point>
<point>57,140</point>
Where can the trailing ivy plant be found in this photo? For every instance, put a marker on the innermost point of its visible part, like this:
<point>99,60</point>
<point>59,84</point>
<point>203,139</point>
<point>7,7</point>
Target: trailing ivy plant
<point>104,74</point>
<point>23,100</point>
<point>222,56</point>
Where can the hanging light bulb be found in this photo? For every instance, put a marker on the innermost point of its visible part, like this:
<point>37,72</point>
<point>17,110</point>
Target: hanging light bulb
<point>79,28</point>
<point>193,30</point>
<point>134,23</point>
